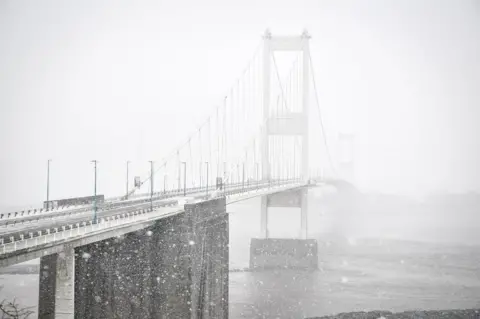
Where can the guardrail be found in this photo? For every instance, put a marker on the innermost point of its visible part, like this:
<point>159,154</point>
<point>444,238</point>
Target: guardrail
<point>101,207</point>
<point>30,239</point>
<point>109,201</point>
<point>30,212</point>
<point>109,204</point>
<point>13,218</point>
<point>68,231</point>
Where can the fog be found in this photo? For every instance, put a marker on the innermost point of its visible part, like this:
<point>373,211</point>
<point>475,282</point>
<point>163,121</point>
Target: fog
<point>129,80</point>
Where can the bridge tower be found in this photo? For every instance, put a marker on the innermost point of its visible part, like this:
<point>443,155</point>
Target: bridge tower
<point>290,124</point>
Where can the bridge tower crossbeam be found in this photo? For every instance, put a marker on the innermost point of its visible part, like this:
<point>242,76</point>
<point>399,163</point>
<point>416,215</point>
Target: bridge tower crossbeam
<point>289,123</point>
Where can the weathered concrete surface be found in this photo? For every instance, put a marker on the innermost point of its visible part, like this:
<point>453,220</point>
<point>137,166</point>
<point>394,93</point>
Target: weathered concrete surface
<point>283,253</point>
<point>56,288</point>
<point>209,241</point>
<point>419,314</point>
<point>46,296</point>
<point>177,268</point>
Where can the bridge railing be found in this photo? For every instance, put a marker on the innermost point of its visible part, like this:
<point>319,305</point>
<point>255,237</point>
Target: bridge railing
<point>115,202</point>
<point>22,240</point>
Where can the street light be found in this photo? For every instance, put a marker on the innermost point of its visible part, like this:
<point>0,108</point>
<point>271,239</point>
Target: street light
<point>243,175</point>
<point>95,192</point>
<point>238,173</point>
<point>200,169</point>
<point>126,196</point>
<point>207,178</point>
<point>164,183</point>
<point>184,179</point>
<point>225,178</point>
<point>294,163</point>
<point>151,185</point>
<point>178,161</point>
<point>48,184</point>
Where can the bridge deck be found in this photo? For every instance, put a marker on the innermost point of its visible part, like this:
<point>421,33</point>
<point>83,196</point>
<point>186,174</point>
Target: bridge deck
<point>113,223</point>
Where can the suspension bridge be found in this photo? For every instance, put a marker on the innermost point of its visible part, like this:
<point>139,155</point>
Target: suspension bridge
<point>256,143</point>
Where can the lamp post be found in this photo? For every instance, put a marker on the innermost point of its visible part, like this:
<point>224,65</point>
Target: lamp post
<point>256,173</point>
<point>178,166</point>
<point>48,184</point>
<point>165,180</point>
<point>288,171</point>
<point>151,184</point>
<point>164,183</point>
<point>224,179</point>
<point>243,175</point>
<point>238,173</point>
<point>207,178</point>
<point>126,194</point>
<point>294,164</point>
<point>95,191</point>
<point>184,179</point>
<point>200,169</point>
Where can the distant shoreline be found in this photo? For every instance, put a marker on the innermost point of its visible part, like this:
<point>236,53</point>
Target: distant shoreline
<point>424,314</point>
<point>20,270</point>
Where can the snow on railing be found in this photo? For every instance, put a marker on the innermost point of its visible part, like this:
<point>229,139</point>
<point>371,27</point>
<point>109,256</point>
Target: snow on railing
<point>67,231</point>
<point>49,235</point>
<point>108,204</point>
<point>39,211</point>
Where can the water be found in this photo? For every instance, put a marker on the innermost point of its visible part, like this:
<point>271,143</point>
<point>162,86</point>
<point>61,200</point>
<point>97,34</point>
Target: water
<point>21,288</point>
<point>393,276</point>
<point>375,252</point>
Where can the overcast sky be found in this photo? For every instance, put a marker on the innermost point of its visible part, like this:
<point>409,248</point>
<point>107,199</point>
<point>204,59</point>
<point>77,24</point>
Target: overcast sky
<point>118,80</point>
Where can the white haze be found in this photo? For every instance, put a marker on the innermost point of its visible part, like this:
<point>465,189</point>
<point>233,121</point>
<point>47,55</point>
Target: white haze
<point>129,80</point>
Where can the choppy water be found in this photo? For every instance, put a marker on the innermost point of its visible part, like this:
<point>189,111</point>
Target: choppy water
<point>374,253</point>
<point>392,276</point>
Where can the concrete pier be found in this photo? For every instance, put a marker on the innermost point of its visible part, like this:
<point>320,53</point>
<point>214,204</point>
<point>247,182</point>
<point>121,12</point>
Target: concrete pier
<point>56,297</point>
<point>177,268</point>
<point>268,253</point>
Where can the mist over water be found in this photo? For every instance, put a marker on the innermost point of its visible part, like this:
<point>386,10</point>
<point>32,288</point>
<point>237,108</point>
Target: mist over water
<point>376,252</point>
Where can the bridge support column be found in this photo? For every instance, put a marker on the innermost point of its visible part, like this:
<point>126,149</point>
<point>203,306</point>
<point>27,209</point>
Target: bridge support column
<point>57,275</point>
<point>266,252</point>
<point>176,268</point>
<point>296,199</point>
<point>264,217</point>
<point>209,238</point>
<point>304,214</point>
